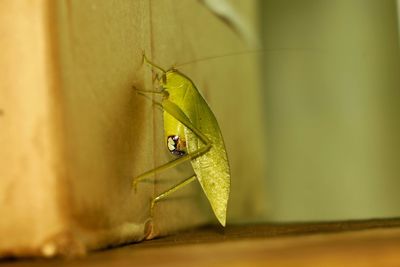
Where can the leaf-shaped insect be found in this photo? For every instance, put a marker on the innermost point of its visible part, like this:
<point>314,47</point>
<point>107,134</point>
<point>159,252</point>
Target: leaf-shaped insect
<point>192,133</point>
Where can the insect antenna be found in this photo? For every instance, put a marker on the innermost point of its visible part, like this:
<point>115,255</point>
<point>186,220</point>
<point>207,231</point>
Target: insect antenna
<point>257,51</point>
<point>220,56</point>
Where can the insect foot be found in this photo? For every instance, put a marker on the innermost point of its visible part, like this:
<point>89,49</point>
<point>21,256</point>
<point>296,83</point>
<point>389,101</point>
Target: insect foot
<point>134,185</point>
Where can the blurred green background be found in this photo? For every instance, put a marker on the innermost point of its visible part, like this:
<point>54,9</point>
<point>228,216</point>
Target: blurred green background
<point>331,73</point>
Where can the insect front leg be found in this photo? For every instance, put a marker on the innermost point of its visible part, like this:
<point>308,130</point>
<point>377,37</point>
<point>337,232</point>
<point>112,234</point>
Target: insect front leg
<point>153,65</point>
<point>156,77</point>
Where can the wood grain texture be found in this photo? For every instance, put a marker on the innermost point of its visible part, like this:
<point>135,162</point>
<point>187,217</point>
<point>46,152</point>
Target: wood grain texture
<point>362,243</point>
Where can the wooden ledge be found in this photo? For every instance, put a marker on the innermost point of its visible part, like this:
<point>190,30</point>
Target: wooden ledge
<point>352,243</point>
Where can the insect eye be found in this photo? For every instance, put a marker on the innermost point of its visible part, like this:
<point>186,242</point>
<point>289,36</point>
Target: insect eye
<point>176,145</point>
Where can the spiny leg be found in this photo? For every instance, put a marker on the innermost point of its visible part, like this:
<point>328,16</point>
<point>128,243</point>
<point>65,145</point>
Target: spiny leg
<point>170,191</point>
<point>147,61</point>
<point>169,165</point>
<point>143,92</point>
<point>156,77</point>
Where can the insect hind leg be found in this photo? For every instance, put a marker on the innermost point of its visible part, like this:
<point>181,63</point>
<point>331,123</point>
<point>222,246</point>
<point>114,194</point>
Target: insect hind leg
<point>169,165</point>
<point>169,192</point>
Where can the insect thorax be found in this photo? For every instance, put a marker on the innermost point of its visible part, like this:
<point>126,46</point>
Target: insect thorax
<point>176,84</point>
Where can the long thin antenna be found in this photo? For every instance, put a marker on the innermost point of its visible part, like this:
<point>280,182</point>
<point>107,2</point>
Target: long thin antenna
<point>219,56</point>
<point>268,50</point>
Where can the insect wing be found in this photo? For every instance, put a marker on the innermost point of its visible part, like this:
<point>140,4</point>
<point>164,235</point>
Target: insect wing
<point>211,168</point>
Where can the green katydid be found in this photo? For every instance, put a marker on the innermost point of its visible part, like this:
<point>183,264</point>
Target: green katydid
<point>192,134</point>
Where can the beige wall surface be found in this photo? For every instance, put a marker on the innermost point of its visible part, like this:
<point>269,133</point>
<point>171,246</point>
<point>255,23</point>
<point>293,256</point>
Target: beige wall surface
<point>75,132</point>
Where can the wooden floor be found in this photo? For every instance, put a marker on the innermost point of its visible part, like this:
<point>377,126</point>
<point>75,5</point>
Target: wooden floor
<point>367,243</point>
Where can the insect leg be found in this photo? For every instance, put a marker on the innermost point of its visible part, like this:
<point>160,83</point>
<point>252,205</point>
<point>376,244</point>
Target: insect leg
<point>147,92</point>
<point>169,165</point>
<point>147,61</point>
<point>170,191</point>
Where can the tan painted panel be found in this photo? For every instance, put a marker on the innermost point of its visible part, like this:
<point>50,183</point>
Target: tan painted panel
<point>75,133</point>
